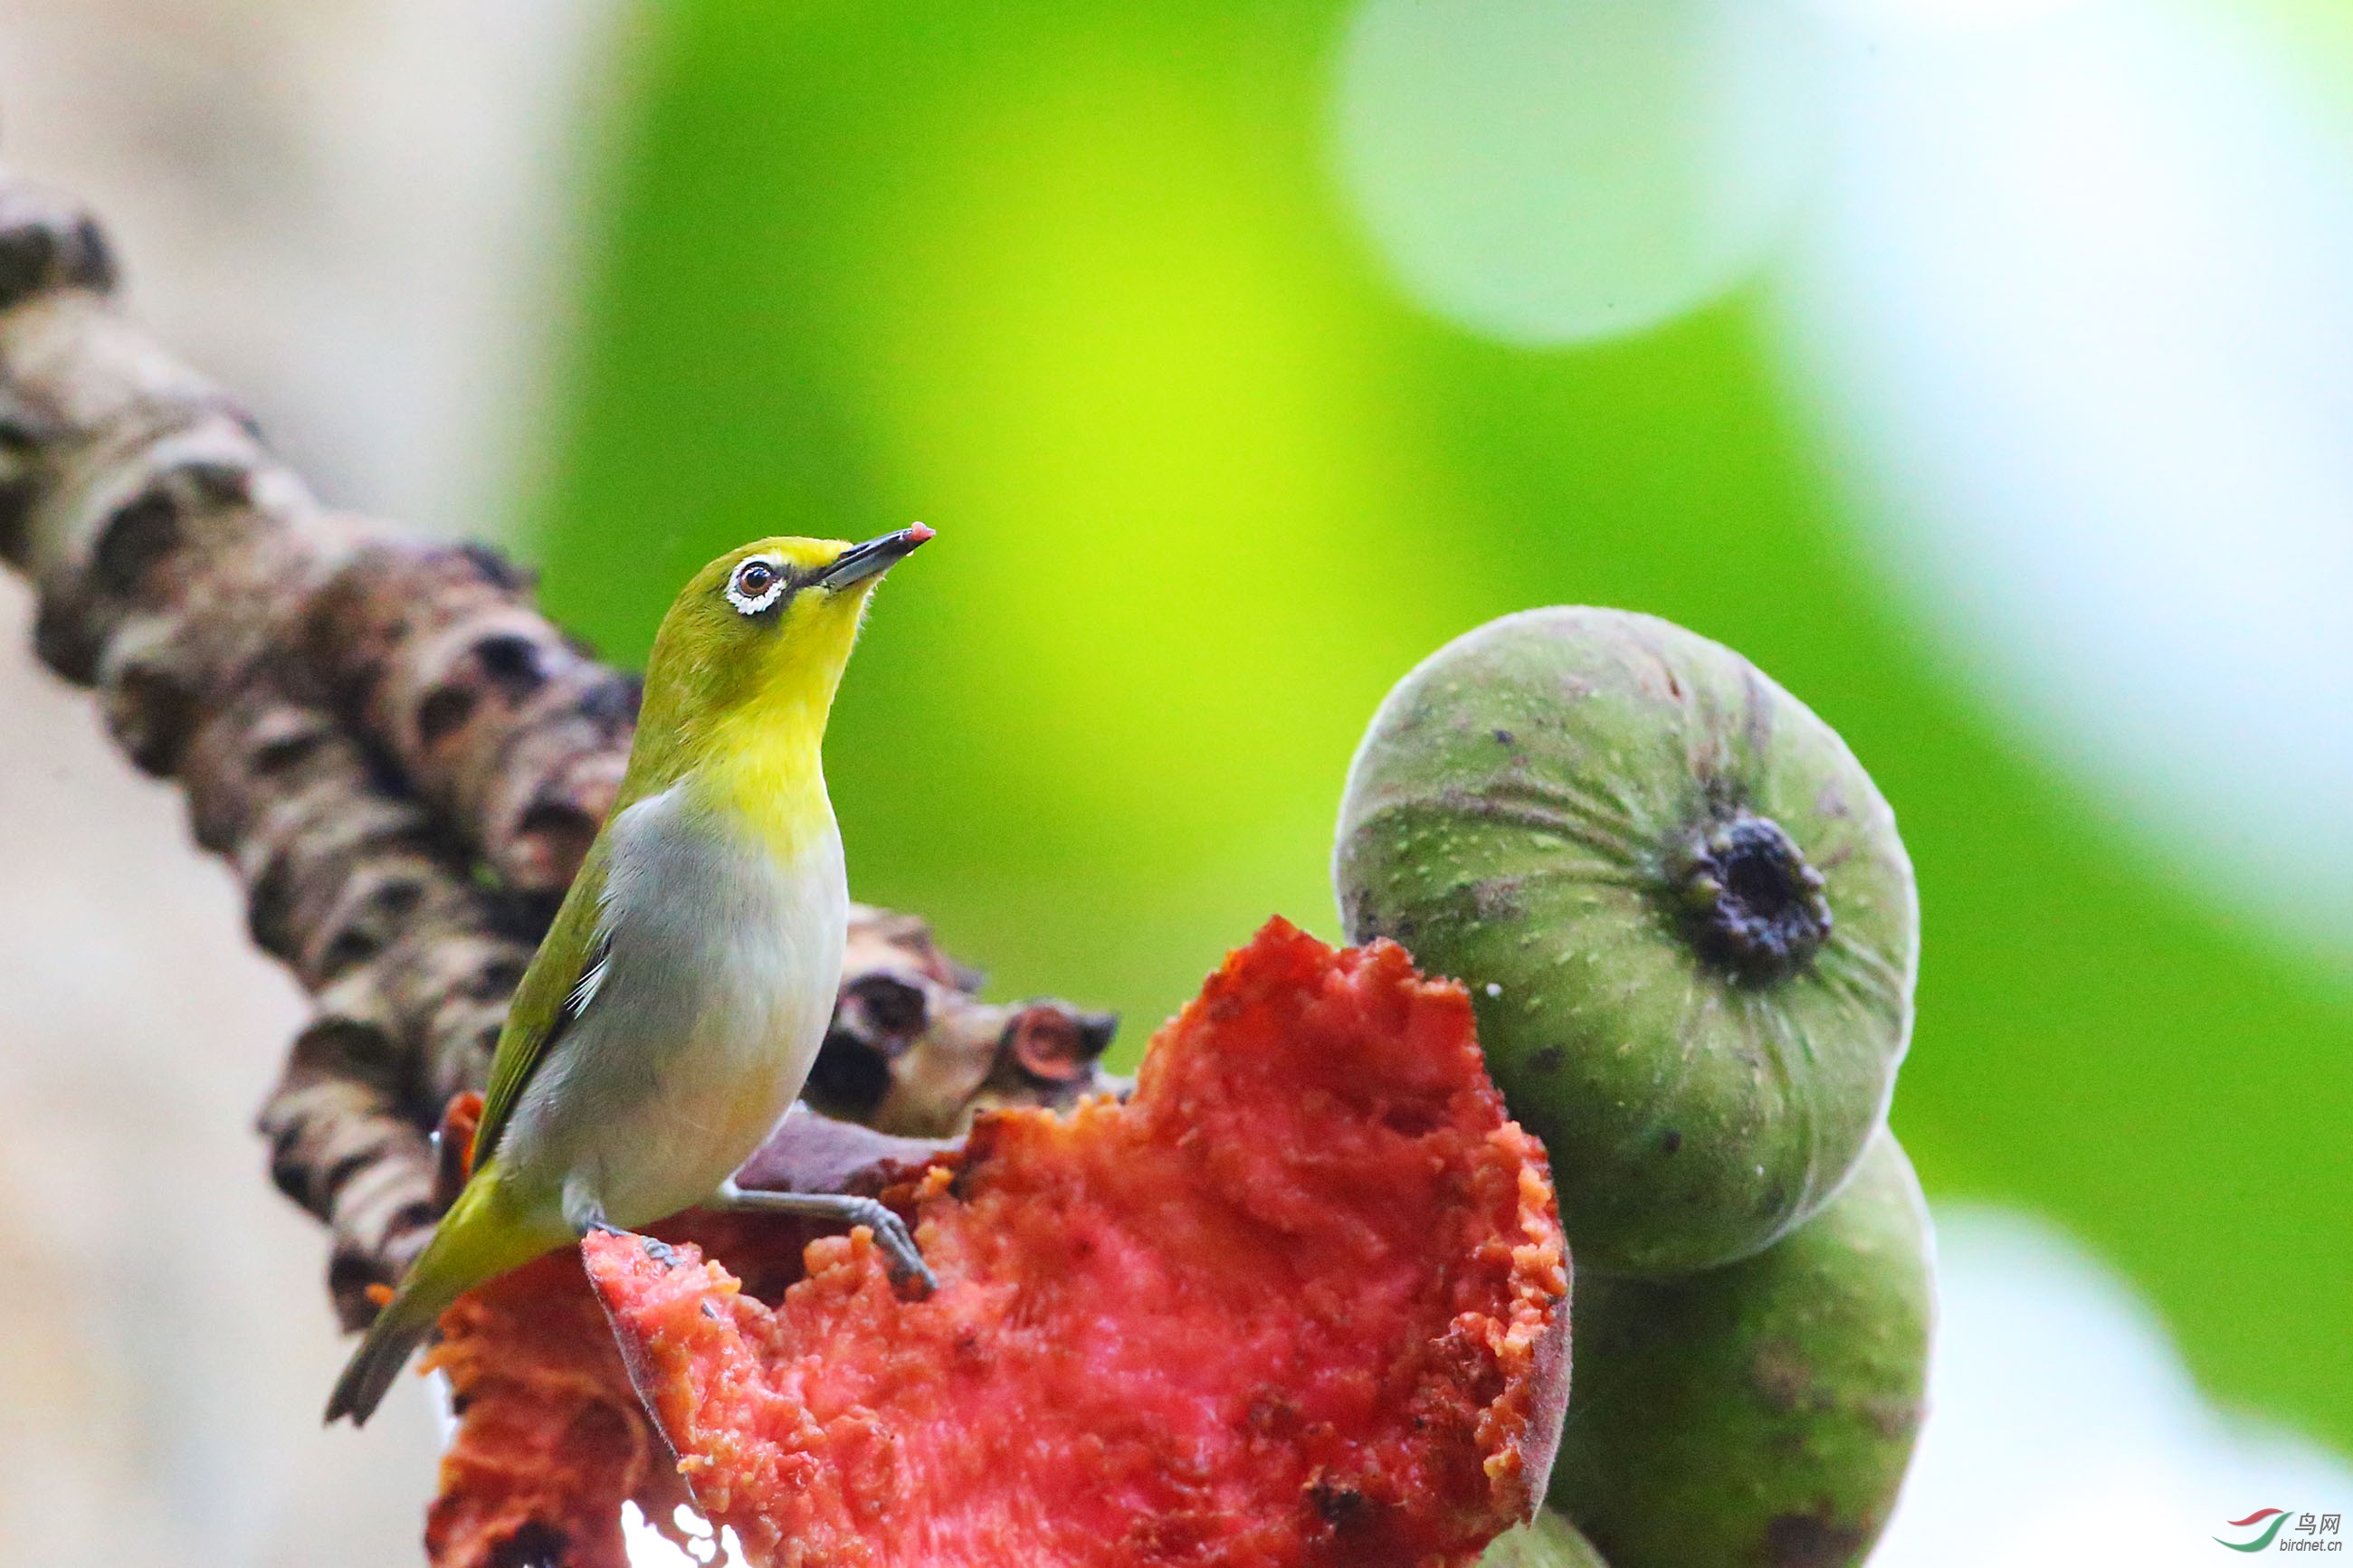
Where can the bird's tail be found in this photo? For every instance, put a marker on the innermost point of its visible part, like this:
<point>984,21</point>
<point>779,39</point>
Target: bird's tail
<point>475,1241</point>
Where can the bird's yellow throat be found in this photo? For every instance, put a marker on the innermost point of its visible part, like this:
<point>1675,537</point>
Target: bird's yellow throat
<point>760,760</point>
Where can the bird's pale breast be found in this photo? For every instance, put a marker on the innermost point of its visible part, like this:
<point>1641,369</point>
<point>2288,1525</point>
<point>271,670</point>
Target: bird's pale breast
<point>719,984</point>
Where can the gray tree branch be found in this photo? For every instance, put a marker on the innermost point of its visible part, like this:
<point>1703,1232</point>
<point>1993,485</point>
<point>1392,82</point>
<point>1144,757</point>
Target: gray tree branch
<point>402,759</point>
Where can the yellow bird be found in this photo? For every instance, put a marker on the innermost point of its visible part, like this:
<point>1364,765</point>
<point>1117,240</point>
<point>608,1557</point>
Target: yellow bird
<point>672,1014</point>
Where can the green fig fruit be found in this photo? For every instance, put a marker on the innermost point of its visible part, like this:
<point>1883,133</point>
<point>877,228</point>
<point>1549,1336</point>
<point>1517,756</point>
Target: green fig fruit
<point>1547,1540</point>
<point>1680,907</point>
<point>1761,1412</point>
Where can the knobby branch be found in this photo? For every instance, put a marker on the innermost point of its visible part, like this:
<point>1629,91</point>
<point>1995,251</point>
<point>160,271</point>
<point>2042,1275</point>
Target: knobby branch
<point>403,760</point>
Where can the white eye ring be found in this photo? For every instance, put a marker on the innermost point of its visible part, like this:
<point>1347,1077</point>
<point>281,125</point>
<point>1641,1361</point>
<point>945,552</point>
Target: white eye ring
<point>752,603</point>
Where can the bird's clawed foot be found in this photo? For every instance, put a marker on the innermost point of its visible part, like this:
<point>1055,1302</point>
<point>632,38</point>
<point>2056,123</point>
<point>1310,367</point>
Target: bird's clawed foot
<point>890,1231</point>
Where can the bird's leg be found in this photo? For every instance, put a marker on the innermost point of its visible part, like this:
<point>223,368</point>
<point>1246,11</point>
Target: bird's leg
<point>586,1215</point>
<point>584,1211</point>
<point>890,1231</point>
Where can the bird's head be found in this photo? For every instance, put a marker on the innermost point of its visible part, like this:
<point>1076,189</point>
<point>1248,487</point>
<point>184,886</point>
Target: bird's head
<point>759,637</point>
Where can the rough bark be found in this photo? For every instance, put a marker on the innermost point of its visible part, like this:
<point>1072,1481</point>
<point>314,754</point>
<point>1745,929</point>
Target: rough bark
<point>403,761</point>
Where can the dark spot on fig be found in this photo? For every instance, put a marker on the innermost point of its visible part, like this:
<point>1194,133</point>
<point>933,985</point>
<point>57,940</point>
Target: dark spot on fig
<point>1671,1141</point>
<point>1546,1058</point>
<point>1809,1540</point>
<point>1411,1120</point>
<point>1504,736</point>
<point>1751,903</point>
<point>1780,1376</point>
<point>1896,1420</point>
<point>1339,1503</point>
<point>1497,899</point>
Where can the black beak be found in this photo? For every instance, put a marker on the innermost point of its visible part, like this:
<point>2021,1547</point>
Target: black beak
<point>871,559</point>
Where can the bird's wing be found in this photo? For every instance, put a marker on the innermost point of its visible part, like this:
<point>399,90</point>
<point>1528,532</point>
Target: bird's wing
<point>554,993</point>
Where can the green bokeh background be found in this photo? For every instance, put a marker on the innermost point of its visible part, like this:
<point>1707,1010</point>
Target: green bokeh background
<point>1072,284</point>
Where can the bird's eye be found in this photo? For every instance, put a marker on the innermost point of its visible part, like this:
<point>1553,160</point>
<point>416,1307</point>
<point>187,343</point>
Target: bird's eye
<point>755,586</point>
